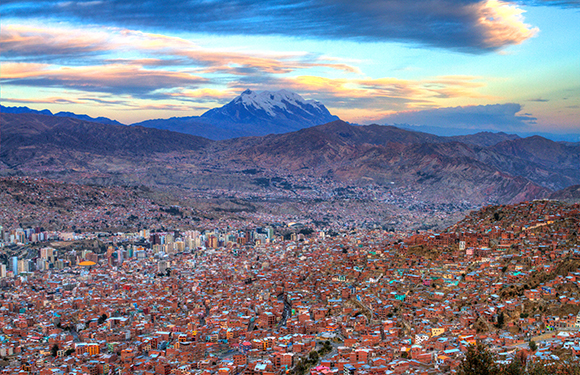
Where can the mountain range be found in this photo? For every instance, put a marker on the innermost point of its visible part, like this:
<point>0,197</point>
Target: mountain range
<point>319,162</point>
<point>100,119</point>
<point>250,114</point>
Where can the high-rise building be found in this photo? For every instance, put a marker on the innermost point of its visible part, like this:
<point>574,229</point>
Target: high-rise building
<point>212,242</point>
<point>2,271</point>
<point>14,265</point>
<point>23,266</point>
<point>179,246</point>
<point>46,252</point>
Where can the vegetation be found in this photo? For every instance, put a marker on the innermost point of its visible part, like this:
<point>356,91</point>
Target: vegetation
<point>480,361</point>
<point>500,320</point>
<point>54,350</point>
<point>102,319</point>
<point>312,359</point>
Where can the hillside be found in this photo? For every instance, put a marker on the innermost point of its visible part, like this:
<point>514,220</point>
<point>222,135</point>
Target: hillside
<point>335,159</point>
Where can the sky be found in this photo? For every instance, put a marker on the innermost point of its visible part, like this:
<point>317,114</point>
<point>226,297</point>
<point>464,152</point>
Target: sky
<point>473,64</point>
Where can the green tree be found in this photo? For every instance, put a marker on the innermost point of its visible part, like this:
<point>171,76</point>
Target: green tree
<point>313,357</point>
<point>515,367</point>
<point>54,350</point>
<point>500,320</point>
<point>533,346</point>
<point>102,319</point>
<point>478,361</point>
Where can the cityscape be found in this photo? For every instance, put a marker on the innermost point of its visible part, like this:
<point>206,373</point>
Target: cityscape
<point>290,187</point>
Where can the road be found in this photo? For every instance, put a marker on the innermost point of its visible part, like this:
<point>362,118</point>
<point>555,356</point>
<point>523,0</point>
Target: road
<point>287,309</point>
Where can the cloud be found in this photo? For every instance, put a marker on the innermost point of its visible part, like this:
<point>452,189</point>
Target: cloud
<point>466,25</point>
<point>377,95</point>
<point>69,46</point>
<point>204,95</point>
<point>114,79</point>
<point>48,44</point>
<point>41,101</point>
<point>558,3</point>
<point>498,117</point>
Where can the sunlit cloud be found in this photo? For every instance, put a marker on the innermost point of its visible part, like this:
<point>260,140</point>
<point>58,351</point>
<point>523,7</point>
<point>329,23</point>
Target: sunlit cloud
<point>203,95</point>
<point>164,107</point>
<point>503,24</point>
<point>37,44</point>
<point>49,43</point>
<point>42,101</point>
<point>467,25</point>
<point>117,79</point>
<point>379,95</point>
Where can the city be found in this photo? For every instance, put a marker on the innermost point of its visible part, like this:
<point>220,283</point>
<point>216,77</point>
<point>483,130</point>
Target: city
<point>290,187</point>
<point>249,301</point>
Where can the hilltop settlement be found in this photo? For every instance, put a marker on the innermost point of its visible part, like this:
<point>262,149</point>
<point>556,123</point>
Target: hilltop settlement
<point>227,300</point>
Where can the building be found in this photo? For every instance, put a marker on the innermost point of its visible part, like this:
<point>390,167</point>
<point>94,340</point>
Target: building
<point>14,265</point>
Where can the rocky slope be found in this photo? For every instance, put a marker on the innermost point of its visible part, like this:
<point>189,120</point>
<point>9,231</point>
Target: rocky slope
<point>318,162</point>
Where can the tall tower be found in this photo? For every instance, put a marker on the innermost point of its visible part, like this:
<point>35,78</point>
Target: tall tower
<point>14,265</point>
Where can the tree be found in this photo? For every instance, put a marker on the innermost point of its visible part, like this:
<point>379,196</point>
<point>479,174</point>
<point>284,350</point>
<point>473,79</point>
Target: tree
<point>478,361</point>
<point>533,346</point>
<point>102,319</point>
<point>515,367</point>
<point>313,357</point>
<point>54,350</point>
<point>500,320</point>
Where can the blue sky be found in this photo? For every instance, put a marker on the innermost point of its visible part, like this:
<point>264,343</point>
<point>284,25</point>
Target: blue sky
<point>486,65</point>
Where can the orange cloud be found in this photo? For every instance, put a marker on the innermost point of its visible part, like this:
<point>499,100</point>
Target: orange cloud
<point>47,42</point>
<point>131,79</point>
<point>204,94</point>
<point>135,47</point>
<point>386,94</point>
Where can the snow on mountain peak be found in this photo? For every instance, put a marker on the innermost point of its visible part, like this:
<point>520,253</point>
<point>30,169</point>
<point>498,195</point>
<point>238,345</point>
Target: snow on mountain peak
<point>268,100</point>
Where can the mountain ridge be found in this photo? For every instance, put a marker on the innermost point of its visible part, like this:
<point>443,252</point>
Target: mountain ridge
<point>20,110</point>
<point>250,114</point>
<point>419,166</point>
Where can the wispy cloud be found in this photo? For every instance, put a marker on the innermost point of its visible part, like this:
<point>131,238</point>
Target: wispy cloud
<point>558,3</point>
<point>35,44</point>
<point>466,25</point>
<point>49,43</point>
<point>53,100</point>
<point>381,95</point>
<point>115,79</point>
<point>145,65</point>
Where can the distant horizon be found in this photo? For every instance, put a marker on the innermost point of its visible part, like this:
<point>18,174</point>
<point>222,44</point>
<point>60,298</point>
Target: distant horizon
<point>435,130</point>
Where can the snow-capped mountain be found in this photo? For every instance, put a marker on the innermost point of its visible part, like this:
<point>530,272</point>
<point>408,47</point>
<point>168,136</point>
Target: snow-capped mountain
<point>251,114</point>
<point>285,109</point>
